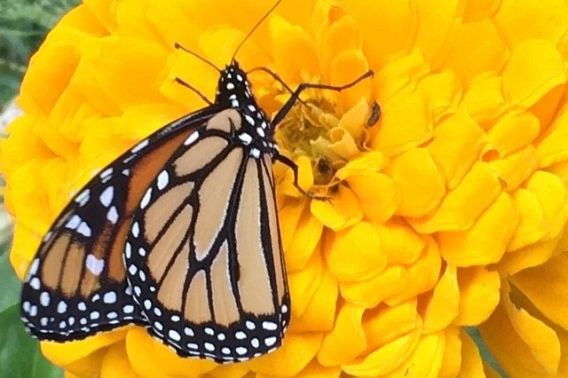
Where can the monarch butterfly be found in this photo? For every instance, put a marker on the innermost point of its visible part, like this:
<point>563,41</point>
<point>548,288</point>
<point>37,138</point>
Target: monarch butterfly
<point>179,234</point>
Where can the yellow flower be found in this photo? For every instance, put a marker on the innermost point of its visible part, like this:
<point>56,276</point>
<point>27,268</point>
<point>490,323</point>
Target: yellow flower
<point>449,212</point>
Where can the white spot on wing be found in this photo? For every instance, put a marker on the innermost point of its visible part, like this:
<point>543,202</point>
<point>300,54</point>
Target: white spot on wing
<point>192,138</point>
<point>112,215</point>
<point>163,179</point>
<point>249,119</point>
<point>94,264</point>
<point>83,197</point>
<point>73,222</point>
<point>140,145</point>
<point>146,199</point>
<point>84,229</point>
<point>106,196</point>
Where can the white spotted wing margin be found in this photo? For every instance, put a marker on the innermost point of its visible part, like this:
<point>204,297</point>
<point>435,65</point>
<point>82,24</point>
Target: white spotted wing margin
<point>204,252</point>
<point>76,285</point>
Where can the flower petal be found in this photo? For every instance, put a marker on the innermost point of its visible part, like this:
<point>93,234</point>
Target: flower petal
<point>466,56</point>
<point>545,18</point>
<point>161,361</point>
<point>486,241</point>
<point>304,241</point>
<point>537,349</point>
<point>341,211</point>
<point>371,292</point>
<point>319,313</point>
<point>347,339</point>
<point>456,146</point>
<point>385,324</point>
<point>116,363</point>
<point>377,191</point>
<point>292,40</point>
<point>544,285</point>
<point>443,307</point>
<point>355,254</point>
<point>400,243</point>
<point>67,353</point>
<point>293,356</point>
<point>461,207</point>
<point>405,125</point>
<point>552,148</point>
<point>534,69</point>
<point>421,276</point>
<point>479,295</point>
<point>472,364</point>
<point>452,362</point>
<point>419,182</point>
<point>304,284</point>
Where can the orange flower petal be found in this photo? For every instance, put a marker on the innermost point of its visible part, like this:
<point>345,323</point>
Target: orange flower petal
<point>371,292</point>
<point>535,68</point>
<point>399,242</point>
<point>552,148</point>
<point>545,293</point>
<point>419,182</point>
<point>385,324</point>
<point>340,212</point>
<point>319,312</point>
<point>354,254</point>
<point>292,41</point>
<point>347,339</point>
<point>293,356</point>
<point>404,126</point>
<point>304,241</point>
<point>461,207</point>
<point>486,241</point>
<point>452,362</point>
<point>116,363</point>
<point>472,364</point>
<point>457,144</point>
<point>479,295</point>
<point>388,357</point>
<point>420,277</point>
<point>378,192</point>
<point>67,353</point>
<point>545,17</point>
<point>161,361</point>
<point>443,307</point>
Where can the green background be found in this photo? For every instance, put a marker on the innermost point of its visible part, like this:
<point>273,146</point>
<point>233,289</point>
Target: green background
<point>23,25</point>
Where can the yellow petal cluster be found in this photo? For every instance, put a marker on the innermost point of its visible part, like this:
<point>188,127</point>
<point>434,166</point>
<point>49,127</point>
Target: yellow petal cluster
<point>449,212</point>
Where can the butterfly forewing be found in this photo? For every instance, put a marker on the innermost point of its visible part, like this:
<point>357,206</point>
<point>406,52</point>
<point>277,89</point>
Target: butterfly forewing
<point>203,255</point>
<point>76,285</point>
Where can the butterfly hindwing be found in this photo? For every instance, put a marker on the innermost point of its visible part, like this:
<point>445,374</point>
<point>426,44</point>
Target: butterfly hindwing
<point>203,255</point>
<point>76,285</point>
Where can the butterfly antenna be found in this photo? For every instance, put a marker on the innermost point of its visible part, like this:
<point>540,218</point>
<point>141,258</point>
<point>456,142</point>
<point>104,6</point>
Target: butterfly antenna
<point>180,47</point>
<point>255,27</point>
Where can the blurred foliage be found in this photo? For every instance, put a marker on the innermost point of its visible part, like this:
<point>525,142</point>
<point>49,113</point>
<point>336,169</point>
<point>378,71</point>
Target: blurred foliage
<point>23,25</point>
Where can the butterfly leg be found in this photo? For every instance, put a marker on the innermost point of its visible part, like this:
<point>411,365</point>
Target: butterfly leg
<point>290,164</point>
<point>275,76</point>
<point>302,87</point>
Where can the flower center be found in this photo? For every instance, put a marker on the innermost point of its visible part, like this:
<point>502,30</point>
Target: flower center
<point>313,129</point>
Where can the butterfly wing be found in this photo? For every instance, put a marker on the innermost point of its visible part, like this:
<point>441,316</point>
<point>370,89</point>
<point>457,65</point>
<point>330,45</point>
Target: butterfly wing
<point>203,254</point>
<point>76,285</point>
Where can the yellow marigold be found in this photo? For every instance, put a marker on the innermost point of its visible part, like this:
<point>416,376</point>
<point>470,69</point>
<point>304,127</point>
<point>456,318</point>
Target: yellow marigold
<point>450,212</point>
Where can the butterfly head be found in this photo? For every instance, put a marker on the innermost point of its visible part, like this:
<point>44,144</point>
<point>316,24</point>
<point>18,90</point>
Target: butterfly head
<point>233,87</point>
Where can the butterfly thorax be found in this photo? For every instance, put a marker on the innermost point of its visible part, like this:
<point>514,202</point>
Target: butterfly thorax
<point>233,90</point>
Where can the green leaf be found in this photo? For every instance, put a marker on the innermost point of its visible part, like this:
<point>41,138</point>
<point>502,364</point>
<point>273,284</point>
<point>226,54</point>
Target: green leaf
<point>8,281</point>
<point>19,352</point>
<point>20,356</point>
